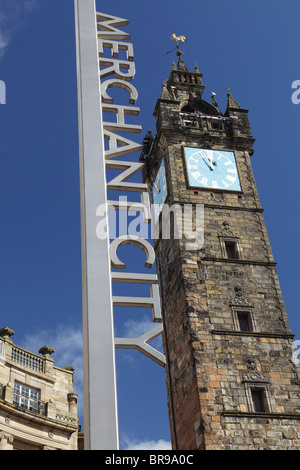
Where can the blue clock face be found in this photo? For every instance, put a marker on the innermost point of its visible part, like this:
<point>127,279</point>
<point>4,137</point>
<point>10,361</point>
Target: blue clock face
<point>213,169</point>
<point>159,191</point>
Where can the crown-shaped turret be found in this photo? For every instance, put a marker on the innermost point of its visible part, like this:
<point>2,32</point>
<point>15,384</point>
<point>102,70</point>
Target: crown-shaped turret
<point>182,82</point>
<point>183,93</point>
<point>182,111</point>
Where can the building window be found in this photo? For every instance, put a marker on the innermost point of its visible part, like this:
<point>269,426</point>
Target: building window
<point>27,398</point>
<point>244,321</point>
<point>231,249</point>
<point>229,241</point>
<point>257,393</point>
<point>258,400</point>
<point>243,318</point>
<point>217,196</point>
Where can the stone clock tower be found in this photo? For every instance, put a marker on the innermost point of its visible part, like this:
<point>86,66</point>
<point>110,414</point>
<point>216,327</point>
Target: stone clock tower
<point>232,378</point>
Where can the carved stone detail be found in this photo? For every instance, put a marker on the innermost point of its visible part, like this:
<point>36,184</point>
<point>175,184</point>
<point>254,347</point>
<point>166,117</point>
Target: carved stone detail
<point>255,376</point>
<point>227,231</point>
<point>8,437</point>
<point>252,373</point>
<point>239,299</point>
<point>6,333</point>
<point>46,350</point>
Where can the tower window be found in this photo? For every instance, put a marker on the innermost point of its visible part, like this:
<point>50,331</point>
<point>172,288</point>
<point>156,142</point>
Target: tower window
<point>258,395</point>
<point>258,400</point>
<point>231,249</point>
<point>244,321</point>
<point>217,196</point>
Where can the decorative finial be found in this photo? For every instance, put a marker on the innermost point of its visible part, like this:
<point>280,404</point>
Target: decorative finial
<point>46,350</point>
<point>6,333</point>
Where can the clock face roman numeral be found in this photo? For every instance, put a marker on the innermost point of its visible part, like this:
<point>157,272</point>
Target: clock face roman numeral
<point>230,178</point>
<point>196,174</point>
<point>216,169</point>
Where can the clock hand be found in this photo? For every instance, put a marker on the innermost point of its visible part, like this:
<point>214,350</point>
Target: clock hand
<point>157,188</point>
<point>209,163</point>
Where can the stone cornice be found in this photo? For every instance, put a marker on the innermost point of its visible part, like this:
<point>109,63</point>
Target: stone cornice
<point>262,334</point>
<point>243,143</point>
<point>252,414</point>
<point>238,261</point>
<point>219,206</point>
<point>28,417</point>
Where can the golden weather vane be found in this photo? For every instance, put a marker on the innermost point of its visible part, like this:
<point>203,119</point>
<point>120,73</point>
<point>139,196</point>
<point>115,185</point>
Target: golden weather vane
<point>178,39</point>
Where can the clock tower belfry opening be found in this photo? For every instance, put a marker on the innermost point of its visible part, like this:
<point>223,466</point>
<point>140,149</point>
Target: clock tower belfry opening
<point>232,382</point>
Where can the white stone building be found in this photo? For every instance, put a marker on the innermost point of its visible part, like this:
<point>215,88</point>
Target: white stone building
<point>38,409</point>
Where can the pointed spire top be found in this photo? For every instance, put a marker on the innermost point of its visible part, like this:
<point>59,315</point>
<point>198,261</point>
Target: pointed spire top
<point>231,103</point>
<point>165,94</point>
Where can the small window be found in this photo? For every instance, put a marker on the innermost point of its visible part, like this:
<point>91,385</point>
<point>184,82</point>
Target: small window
<point>231,249</point>
<point>217,196</point>
<point>244,320</point>
<point>258,400</point>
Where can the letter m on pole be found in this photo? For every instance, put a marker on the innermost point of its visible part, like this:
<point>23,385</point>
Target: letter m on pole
<point>107,27</point>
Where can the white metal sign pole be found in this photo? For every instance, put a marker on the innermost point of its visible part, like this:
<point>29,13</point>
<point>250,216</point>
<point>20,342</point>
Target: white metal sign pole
<point>100,397</point>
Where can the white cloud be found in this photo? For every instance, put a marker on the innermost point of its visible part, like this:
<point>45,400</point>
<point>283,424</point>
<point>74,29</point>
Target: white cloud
<point>133,328</point>
<point>135,444</point>
<point>13,16</point>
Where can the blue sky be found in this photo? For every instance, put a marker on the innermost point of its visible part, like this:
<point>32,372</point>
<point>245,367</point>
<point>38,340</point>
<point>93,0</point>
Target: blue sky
<point>250,46</point>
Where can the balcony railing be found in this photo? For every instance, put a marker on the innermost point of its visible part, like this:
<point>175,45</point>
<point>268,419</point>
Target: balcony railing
<point>203,121</point>
<point>27,359</point>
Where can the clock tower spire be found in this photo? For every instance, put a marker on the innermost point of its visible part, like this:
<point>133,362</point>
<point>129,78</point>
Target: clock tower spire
<point>231,377</point>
